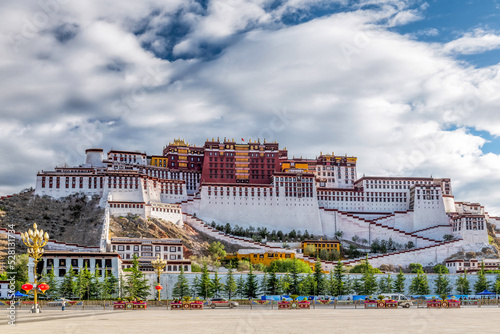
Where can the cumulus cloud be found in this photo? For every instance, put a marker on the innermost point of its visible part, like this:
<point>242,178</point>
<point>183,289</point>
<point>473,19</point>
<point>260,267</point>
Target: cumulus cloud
<point>96,75</point>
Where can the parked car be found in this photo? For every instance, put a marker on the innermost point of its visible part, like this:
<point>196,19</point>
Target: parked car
<point>221,302</point>
<point>402,300</point>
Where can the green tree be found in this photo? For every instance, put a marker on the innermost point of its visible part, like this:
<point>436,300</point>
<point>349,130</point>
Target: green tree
<point>243,265</point>
<point>310,250</point>
<point>205,285</point>
<point>439,268</point>
<point>496,286</point>
<point>196,284</point>
<point>240,286</point>
<point>87,284</point>
<point>368,279</point>
<point>68,285</point>
<point>330,285</point>
<point>324,255</point>
<point>442,283</point>
<point>181,287</point>
<point>415,268</point>
<point>82,282</point>
<point>463,284</point>
<point>363,267</point>
<point>319,278</point>
<point>21,270</point>
<point>230,287</point>
<point>339,280</point>
<point>358,287</point>
<point>348,282</point>
<point>284,266</point>
<point>217,252</point>
<point>273,280</point>
<point>419,284</point>
<point>308,285</point>
<point>50,279</point>
<point>448,237</point>
<point>399,284</point>
<point>216,285</point>
<point>136,285</point>
<point>294,274</point>
<point>195,268</point>
<point>110,284</point>
<point>251,285</point>
<point>285,283</point>
<point>386,284</point>
<point>369,283</point>
<point>95,284</point>
<point>481,281</point>
<point>263,283</point>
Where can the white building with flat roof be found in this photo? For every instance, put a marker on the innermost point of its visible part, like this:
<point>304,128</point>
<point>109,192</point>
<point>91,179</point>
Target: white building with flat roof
<point>63,261</point>
<point>148,249</point>
<point>472,266</point>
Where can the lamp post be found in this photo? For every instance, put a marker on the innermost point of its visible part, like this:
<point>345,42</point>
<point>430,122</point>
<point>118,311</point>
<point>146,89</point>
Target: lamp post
<point>158,266</point>
<point>35,240</point>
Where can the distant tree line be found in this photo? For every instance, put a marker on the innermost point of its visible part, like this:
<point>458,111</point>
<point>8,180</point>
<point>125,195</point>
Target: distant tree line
<point>262,233</point>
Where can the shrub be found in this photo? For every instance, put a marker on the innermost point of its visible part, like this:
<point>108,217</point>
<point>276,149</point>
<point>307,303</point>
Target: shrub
<point>283,266</point>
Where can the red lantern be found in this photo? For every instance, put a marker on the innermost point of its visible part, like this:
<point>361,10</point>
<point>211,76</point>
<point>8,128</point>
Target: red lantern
<point>158,287</point>
<point>43,287</point>
<point>27,287</point>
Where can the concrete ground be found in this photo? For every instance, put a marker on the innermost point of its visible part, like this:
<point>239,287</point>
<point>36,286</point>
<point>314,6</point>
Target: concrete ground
<point>386,321</point>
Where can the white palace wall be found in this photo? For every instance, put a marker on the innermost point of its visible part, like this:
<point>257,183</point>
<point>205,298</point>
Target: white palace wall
<point>52,190</point>
<point>426,256</point>
<point>274,212</point>
<point>167,212</point>
<point>350,226</point>
<point>429,213</point>
<point>436,232</point>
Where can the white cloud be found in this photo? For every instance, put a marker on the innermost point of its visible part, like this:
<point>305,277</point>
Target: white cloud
<point>474,42</point>
<point>426,32</point>
<point>405,17</point>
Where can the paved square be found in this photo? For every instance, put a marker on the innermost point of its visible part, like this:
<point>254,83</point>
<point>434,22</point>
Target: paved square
<point>465,320</point>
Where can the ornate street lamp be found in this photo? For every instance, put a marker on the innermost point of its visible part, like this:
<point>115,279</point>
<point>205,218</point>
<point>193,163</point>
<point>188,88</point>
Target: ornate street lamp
<point>158,265</point>
<point>35,240</point>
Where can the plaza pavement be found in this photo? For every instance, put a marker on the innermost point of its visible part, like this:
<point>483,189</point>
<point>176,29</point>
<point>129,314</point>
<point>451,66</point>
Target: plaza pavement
<point>383,321</point>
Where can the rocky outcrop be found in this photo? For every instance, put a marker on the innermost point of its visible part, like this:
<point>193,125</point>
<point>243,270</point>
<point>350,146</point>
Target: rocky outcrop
<point>74,219</point>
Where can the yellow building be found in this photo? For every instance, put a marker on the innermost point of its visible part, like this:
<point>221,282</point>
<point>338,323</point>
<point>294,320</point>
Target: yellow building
<point>298,164</point>
<point>159,161</point>
<point>328,245</point>
<point>260,257</point>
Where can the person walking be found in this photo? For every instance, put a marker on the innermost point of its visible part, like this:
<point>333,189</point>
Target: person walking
<point>63,304</point>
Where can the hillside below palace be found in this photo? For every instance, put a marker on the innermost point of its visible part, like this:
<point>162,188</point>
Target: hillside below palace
<point>256,184</point>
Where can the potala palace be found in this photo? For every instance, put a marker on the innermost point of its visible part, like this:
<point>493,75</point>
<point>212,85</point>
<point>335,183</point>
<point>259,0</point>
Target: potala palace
<point>256,184</point>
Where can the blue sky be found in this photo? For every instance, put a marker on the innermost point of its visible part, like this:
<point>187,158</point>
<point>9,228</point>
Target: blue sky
<point>408,86</point>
